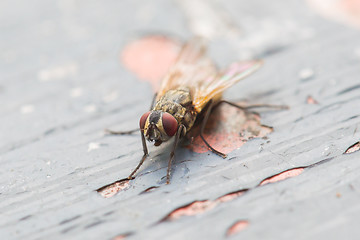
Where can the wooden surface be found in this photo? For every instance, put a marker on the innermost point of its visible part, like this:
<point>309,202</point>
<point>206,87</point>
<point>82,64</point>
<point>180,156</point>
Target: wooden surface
<point>62,84</point>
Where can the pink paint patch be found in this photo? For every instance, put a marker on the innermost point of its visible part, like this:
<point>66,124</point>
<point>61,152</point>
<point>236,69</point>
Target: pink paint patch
<point>352,10</point>
<point>150,57</point>
<point>223,142</point>
<point>192,209</point>
<point>282,176</point>
<point>353,148</point>
<point>113,188</point>
<point>228,129</point>
<point>237,227</point>
<point>199,207</point>
<point>346,11</point>
<point>311,100</point>
<point>119,237</point>
<point>230,196</point>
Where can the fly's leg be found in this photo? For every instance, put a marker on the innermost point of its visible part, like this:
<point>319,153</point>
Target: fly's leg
<point>143,157</point>
<point>179,134</point>
<point>276,107</point>
<point>206,118</point>
<point>108,131</point>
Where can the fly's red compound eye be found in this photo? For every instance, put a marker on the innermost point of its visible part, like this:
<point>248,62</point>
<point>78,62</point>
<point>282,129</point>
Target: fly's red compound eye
<point>143,120</point>
<point>170,124</point>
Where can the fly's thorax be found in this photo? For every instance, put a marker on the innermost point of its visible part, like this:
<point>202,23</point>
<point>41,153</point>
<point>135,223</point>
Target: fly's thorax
<point>178,103</point>
<point>158,126</point>
<point>174,109</point>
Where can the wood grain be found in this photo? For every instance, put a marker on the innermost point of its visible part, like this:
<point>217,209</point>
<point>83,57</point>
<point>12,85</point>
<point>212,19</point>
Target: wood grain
<point>62,84</point>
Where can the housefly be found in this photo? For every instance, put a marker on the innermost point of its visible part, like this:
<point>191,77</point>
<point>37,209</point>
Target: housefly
<point>192,87</point>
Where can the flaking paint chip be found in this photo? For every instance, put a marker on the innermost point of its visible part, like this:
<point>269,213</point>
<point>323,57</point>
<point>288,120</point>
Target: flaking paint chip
<point>237,227</point>
<point>353,148</point>
<point>230,196</point>
<point>113,188</point>
<point>229,128</point>
<point>198,207</point>
<point>140,55</point>
<point>283,175</point>
<point>122,236</point>
<point>311,100</point>
<point>191,209</point>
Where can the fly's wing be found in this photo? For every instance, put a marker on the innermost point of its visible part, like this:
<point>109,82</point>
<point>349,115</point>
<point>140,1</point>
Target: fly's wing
<point>213,87</point>
<point>191,68</point>
<point>197,72</point>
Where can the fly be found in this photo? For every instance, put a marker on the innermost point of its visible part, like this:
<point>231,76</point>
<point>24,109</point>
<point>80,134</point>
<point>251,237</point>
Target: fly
<point>192,87</point>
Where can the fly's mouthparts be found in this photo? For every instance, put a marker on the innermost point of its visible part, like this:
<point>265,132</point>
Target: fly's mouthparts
<point>152,132</point>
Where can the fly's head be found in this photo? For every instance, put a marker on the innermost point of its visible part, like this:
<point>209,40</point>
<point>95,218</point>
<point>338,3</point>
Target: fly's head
<point>158,126</point>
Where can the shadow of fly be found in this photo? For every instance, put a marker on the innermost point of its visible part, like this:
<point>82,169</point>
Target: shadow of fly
<point>192,87</point>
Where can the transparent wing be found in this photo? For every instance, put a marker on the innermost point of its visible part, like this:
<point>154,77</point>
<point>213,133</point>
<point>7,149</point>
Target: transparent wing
<point>190,69</point>
<point>213,87</point>
<point>194,70</point>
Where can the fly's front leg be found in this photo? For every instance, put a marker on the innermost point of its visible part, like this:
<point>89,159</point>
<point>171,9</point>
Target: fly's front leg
<point>179,134</point>
<point>206,118</point>
<point>143,157</point>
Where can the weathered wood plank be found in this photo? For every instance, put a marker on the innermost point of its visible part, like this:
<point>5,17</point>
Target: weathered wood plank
<point>62,84</point>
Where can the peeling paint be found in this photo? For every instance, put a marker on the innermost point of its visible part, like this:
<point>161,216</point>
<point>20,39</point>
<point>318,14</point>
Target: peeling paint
<point>112,189</point>
<point>150,57</point>
<point>311,100</point>
<point>353,148</point>
<point>230,196</point>
<point>198,207</point>
<point>191,209</point>
<point>283,175</point>
<point>122,236</point>
<point>237,227</point>
<point>229,128</point>
<point>119,237</point>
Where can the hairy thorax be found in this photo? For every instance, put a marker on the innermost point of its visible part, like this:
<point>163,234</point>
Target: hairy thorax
<point>178,103</point>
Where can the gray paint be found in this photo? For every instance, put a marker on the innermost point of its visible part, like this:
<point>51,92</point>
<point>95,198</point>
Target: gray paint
<point>49,174</point>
